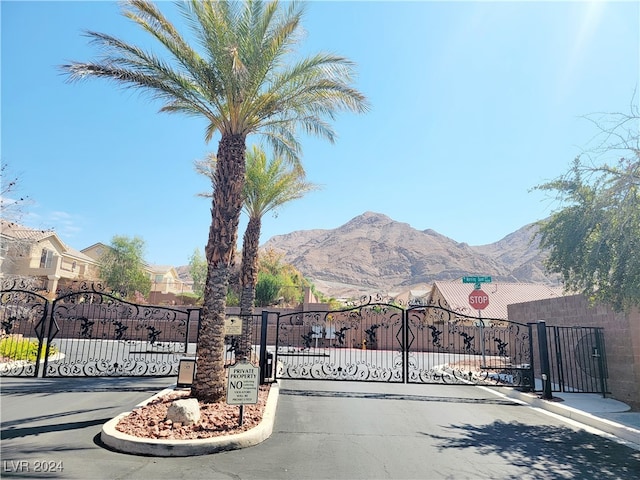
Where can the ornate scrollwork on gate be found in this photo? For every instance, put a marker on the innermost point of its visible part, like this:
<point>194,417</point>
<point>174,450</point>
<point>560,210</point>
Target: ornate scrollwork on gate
<point>358,343</point>
<point>98,334</point>
<point>22,318</point>
<point>450,347</point>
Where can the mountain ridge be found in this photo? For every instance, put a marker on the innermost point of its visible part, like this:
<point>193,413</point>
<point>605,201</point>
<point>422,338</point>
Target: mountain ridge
<point>372,253</point>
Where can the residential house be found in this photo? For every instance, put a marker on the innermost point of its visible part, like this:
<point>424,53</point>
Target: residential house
<point>96,250</point>
<point>166,284</point>
<point>416,295</point>
<point>42,256</point>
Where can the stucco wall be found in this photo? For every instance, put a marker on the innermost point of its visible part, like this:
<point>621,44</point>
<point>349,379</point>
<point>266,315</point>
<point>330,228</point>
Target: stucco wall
<point>621,334</point>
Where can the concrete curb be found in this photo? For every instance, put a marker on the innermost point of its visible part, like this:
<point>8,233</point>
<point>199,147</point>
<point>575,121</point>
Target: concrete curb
<point>183,448</point>
<point>623,432</point>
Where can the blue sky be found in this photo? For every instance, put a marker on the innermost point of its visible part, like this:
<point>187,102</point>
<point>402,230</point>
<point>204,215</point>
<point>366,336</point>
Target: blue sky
<point>473,104</point>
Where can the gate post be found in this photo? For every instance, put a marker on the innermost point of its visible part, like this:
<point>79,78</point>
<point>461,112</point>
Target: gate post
<point>544,360</point>
<point>599,355</point>
<point>188,332</point>
<point>42,334</point>
<point>263,347</point>
<point>404,347</point>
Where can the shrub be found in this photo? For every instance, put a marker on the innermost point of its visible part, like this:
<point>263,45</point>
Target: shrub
<point>267,289</point>
<point>18,348</point>
<point>188,299</point>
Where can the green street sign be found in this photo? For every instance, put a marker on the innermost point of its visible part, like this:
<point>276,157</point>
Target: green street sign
<point>476,280</point>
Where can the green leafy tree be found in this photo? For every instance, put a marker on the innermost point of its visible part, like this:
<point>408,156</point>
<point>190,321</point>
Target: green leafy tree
<point>290,280</point>
<point>271,262</point>
<point>122,267</point>
<point>267,289</point>
<point>198,272</point>
<point>241,76</point>
<point>593,241</point>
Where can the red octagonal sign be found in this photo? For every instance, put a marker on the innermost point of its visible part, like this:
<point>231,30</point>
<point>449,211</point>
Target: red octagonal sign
<point>478,300</point>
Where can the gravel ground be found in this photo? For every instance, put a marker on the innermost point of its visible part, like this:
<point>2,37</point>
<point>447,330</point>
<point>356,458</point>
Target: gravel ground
<point>216,419</point>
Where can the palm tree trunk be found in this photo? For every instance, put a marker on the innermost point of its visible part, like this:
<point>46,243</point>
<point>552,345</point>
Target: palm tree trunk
<point>249,278</point>
<point>210,383</point>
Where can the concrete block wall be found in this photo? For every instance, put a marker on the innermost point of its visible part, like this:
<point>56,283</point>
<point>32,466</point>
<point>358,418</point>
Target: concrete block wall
<point>621,334</point>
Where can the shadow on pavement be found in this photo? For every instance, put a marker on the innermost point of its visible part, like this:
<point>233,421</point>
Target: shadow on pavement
<point>544,450</point>
<point>58,427</point>
<point>23,386</point>
<point>8,424</point>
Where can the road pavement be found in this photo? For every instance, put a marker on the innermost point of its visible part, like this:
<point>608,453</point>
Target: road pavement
<point>323,429</point>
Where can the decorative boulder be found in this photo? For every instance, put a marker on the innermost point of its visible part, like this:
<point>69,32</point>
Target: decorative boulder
<point>185,411</point>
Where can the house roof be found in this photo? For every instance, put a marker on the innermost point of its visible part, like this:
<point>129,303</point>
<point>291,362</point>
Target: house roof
<point>417,292</point>
<point>20,232</point>
<point>95,245</point>
<point>72,252</point>
<point>162,269</point>
<point>456,294</point>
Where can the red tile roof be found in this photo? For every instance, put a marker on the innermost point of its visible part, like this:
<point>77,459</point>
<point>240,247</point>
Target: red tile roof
<point>19,232</point>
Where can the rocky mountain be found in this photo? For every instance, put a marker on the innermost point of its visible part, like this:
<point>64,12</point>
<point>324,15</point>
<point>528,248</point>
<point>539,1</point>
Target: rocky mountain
<point>372,253</point>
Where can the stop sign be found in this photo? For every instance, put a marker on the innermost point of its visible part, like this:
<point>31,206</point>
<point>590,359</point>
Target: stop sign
<point>478,300</point>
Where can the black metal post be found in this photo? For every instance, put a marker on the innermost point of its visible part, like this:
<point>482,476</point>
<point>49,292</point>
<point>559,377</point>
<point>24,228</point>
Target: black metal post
<point>559,355</point>
<point>43,339</point>
<point>50,335</point>
<point>405,346</point>
<point>532,370</point>
<point>544,360</point>
<point>600,358</point>
<point>263,347</point>
<point>188,332</point>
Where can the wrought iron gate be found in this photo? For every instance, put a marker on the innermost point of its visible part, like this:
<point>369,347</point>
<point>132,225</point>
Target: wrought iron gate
<point>380,342</point>
<point>93,333</point>
<point>448,347</point>
<point>23,316</point>
<point>577,359</point>
<point>362,343</point>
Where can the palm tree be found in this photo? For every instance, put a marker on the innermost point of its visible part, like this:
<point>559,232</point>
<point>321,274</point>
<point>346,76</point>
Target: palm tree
<point>268,185</point>
<point>243,81</point>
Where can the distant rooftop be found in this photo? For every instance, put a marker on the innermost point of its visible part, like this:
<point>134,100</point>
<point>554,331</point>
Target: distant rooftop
<point>456,294</point>
<point>20,232</point>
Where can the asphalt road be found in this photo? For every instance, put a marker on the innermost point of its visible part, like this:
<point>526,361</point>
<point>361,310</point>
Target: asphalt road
<point>336,430</point>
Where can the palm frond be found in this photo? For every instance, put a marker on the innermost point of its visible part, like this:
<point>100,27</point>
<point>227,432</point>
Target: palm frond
<point>270,183</point>
<point>242,77</point>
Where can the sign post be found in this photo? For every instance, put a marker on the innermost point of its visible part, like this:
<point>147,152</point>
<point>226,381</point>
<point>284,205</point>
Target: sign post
<point>479,300</point>
<point>243,384</point>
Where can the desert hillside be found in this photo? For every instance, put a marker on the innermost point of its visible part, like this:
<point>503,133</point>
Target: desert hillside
<point>373,253</point>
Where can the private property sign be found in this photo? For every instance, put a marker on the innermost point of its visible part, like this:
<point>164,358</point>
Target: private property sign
<point>242,388</point>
